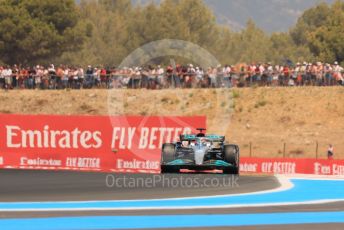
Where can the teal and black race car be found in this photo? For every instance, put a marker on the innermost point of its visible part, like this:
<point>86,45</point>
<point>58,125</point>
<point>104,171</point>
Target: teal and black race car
<point>200,152</point>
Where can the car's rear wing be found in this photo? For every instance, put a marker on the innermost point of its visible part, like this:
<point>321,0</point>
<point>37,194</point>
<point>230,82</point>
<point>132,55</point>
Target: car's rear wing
<point>193,137</point>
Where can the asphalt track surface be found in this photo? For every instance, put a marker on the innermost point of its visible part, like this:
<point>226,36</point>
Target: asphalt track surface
<point>26,185</point>
<point>32,186</point>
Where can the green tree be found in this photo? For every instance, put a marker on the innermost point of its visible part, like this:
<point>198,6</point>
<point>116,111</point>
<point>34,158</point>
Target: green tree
<point>310,20</point>
<point>327,40</point>
<point>284,48</point>
<point>122,6</point>
<point>252,44</point>
<point>200,22</point>
<point>32,30</point>
<point>321,29</point>
<point>107,35</point>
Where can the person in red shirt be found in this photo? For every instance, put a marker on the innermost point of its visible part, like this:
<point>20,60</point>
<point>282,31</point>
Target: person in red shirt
<point>23,74</point>
<point>286,73</point>
<point>59,76</point>
<point>103,78</point>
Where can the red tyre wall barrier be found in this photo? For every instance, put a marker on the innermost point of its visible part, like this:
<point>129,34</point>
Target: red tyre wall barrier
<point>292,166</point>
<point>91,143</point>
<point>117,144</point>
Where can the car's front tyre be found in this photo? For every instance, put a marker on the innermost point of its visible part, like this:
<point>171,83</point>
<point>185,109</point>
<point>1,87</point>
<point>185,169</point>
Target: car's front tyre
<point>231,156</point>
<point>169,169</point>
<point>168,155</point>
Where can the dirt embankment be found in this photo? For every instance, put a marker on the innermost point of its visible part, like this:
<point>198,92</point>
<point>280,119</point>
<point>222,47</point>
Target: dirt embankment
<point>264,121</point>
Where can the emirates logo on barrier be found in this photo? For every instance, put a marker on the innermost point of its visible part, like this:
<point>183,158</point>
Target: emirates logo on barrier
<point>87,142</point>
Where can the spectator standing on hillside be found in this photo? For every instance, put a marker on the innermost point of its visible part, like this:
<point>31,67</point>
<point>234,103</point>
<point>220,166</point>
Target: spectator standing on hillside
<point>22,76</point>
<point>15,73</point>
<point>103,77</point>
<point>190,76</point>
<point>297,74</point>
<point>7,73</point>
<point>212,77</point>
<point>227,76</point>
<point>199,76</point>
<point>330,152</point>
<point>75,78</point>
<point>89,78</point>
<point>59,76</point>
<point>319,72</point>
<point>2,78</point>
<point>80,74</point>
<point>260,72</point>
<point>51,77</point>
<point>65,77</point>
<point>338,73</point>
<point>30,79</point>
<point>39,77</point>
<point>160,79</point>
<point>135,78</point>
<point>326,74</point>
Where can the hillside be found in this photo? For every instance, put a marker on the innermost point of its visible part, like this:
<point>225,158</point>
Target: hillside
<point>266,117</point>
<point>270,15</point>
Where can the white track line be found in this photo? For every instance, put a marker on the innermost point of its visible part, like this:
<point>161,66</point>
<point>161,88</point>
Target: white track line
<point>173,207</point>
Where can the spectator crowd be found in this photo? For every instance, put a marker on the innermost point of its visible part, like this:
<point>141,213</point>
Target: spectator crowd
<point>179,76</point>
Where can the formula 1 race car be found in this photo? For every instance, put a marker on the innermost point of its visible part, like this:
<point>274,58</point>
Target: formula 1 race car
<point>200,152</point>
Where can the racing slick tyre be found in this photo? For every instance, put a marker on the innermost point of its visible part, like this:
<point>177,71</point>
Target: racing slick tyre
<point>231,155</point>
<point>168,155</point>
<point>231,170</point>
<point>169,169</point>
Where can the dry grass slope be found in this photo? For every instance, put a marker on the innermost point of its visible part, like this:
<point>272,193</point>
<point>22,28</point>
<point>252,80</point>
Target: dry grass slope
<point>265,117</point>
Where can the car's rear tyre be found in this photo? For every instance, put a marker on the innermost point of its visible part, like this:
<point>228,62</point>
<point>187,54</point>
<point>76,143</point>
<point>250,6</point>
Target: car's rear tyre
<point>231,155</point>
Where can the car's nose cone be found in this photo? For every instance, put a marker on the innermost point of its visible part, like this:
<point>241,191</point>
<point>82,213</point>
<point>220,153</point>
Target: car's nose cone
<point>199,155</point>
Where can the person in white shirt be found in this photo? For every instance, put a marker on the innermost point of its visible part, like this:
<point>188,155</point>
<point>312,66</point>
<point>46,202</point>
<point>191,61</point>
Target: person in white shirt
<point>39,76</point>
<point>81,74</point>
<point>7,73</point>
<point>337,68</point>
<point>227,76</point>
<point>65,77</point>
<point>199,76</point>
<point>338,73</point>
<point>261,69</point>
<point>191,69</point>
<point>96,76</point>
<point>160,79</point>
<point>269,73</point>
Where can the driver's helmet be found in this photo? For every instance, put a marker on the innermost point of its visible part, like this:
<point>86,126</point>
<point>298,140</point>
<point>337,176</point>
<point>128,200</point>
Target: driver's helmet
<point>203,141</point>
<point>198,142</point>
